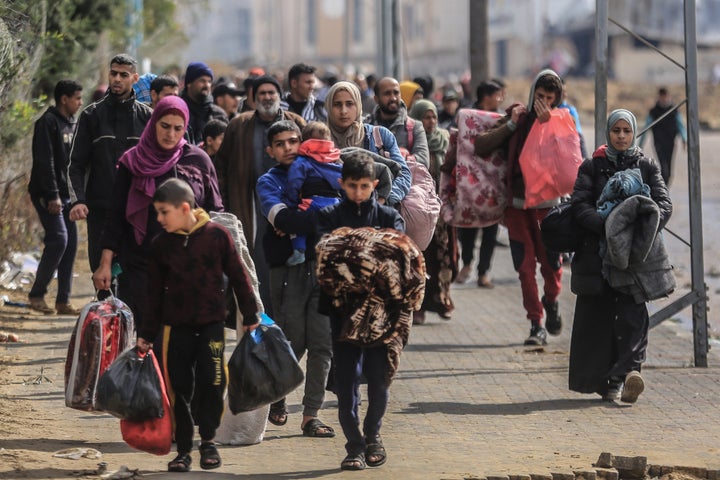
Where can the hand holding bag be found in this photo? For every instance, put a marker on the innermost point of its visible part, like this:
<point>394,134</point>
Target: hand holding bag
<point>153,435</point>
<point>550,158</point>
<point>262,369</point>
<point>130,388</point>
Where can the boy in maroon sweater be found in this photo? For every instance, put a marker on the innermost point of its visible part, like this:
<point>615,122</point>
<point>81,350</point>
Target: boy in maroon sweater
<point>187,307</point>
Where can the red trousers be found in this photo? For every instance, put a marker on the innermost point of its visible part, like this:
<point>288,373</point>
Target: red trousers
<point>527,249</point>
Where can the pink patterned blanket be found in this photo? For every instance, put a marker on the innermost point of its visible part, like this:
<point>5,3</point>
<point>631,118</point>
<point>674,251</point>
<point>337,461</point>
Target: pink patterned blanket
<point>474,194</point>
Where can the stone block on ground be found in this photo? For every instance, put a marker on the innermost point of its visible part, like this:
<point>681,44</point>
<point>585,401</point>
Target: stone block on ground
<point>547,476</point>
<point>519,477</point>
<point>694,471</point>
<point>585,474</point>
<point>607,473</point>
<point>630,467</point>
<point>605,460</point>
<point>713,475</point>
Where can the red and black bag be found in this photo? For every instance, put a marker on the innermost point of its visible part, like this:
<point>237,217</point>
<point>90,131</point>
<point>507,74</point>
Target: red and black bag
<point>103,330</point>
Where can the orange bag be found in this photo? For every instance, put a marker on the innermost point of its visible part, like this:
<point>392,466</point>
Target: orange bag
<point>155,434</point>
<point>550,158</point>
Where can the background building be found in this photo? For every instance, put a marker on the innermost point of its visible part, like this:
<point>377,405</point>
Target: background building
<point>433,37</point>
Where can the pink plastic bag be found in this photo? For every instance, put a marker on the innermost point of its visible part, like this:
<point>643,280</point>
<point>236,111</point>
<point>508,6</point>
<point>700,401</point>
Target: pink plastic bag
<point>550,158</point>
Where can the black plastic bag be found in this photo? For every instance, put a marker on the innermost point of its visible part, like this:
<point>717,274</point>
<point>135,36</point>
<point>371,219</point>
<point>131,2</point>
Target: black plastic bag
<point>559,231</point>
<point>262,369</point>
<point>130,388</point>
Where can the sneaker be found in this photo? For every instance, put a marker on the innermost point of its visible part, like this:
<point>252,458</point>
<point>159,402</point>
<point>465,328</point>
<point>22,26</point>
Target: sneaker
<point>634,386</point>
<point>39,305</point>
<point>297,258</point>
<point>553,320</point>
<point>66,309</point>
<point>463,275</point>
<point>613,391</point>
<point>418,317</point>
<point>538,336</point>
<point>485,282</point>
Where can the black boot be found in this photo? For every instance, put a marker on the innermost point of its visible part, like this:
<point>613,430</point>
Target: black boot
<point>553,321</point>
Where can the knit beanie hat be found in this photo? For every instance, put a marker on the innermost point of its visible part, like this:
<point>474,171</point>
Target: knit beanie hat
<point>263,79</point>
<point>196,70</point>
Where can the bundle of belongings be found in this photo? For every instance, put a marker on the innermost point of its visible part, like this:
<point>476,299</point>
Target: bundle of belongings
<point>635,261</point>
<point>374,279</point>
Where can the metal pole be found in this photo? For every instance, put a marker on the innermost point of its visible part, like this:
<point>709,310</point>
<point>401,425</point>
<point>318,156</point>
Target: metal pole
<point>395,33</point>
<point>479,41</point>
<point>601,69</point>
<point>380,38</point>
<point>700,327</point>
<point>386,44</point>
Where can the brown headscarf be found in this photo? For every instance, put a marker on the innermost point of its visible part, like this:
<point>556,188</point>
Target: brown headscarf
<point>354,135</point>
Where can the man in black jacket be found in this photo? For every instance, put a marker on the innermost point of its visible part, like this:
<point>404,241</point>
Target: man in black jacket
<point>49,193</point>
<point>106,129</point>
<point>198,82</point>
<point>665,131</point>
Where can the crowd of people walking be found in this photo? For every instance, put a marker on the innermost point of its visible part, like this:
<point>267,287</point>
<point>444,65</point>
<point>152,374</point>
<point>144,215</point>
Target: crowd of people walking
<point>294,163</point>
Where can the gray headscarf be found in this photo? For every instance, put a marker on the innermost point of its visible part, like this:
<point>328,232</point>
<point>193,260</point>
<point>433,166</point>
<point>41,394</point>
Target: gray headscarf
<point>621,114</point>
<point>354,135</point>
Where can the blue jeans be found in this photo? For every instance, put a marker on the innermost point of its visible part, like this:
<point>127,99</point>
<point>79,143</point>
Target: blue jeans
<point>59,253</point>
<point>350,360</point>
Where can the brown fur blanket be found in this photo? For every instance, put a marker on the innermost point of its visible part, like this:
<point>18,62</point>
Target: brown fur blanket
<point>375,279</point>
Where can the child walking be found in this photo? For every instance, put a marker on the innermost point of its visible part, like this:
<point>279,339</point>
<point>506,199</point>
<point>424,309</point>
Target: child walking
<point>187,308</point>
<point>377,359</point>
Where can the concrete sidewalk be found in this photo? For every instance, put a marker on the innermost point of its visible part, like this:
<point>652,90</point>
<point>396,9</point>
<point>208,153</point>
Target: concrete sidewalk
<point>469,401</point>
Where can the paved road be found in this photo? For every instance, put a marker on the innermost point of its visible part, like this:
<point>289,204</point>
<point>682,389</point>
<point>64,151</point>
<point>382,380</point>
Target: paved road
<point>469,399</point>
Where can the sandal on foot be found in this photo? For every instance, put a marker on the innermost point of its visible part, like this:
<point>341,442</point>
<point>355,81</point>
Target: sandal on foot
<point>209,456</point>
<point>181,463</point>
<point>353,462</point>
<point>316,428</point>
<point>377,450</point>
<point>278,414</point>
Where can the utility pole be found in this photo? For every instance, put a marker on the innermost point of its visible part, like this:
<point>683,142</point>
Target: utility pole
<point>134,23</point>
<point>385,38</point>
<point>479,43</point>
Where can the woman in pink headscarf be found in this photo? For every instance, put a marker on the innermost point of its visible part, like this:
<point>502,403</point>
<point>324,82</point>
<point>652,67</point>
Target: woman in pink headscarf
<point>161,153</point>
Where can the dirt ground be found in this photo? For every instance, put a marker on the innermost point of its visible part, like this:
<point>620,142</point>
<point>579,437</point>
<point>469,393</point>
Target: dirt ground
<point>30,433</point>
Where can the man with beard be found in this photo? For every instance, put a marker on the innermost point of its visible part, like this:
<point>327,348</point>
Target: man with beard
<point>242,159</point>
<point>198,81</point>
<point>391,113</point>
<point>106,129</point>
